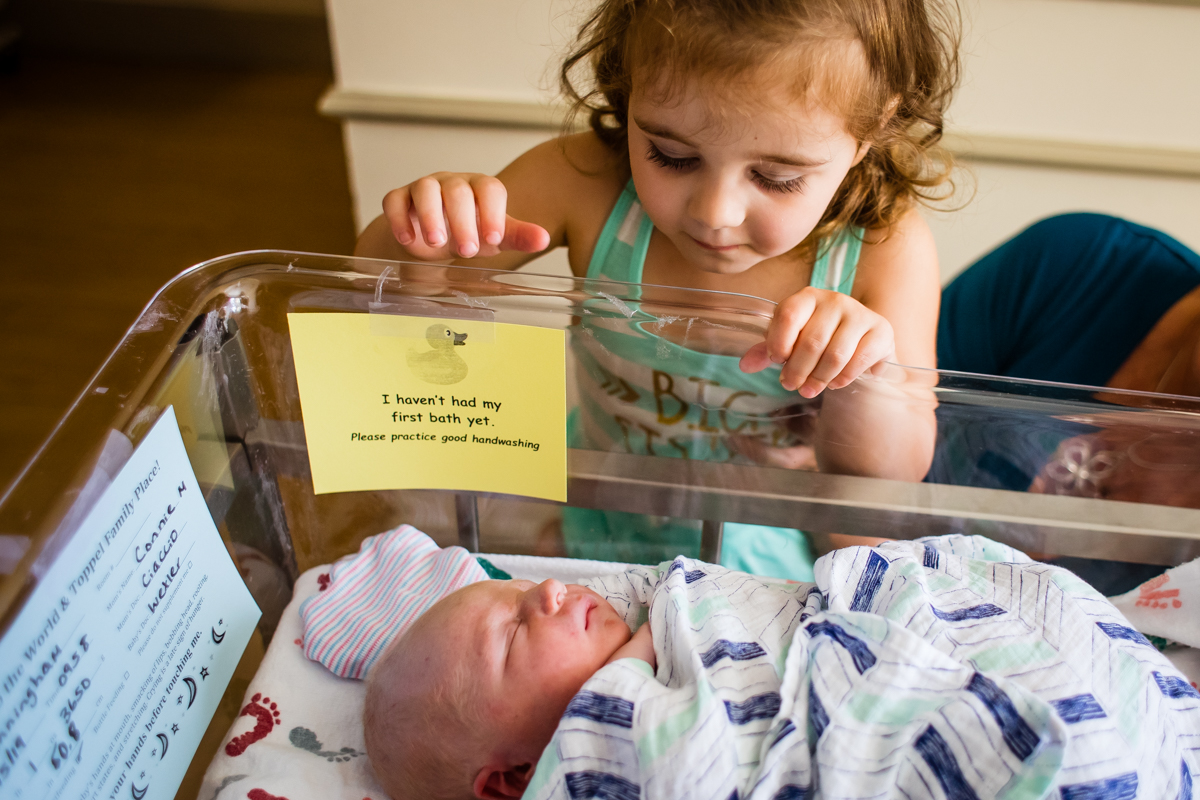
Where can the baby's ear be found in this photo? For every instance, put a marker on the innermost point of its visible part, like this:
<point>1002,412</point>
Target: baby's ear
<point>496,782</point>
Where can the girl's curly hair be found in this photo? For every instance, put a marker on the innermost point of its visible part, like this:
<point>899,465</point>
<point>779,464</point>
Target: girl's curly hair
<point>888,66</point>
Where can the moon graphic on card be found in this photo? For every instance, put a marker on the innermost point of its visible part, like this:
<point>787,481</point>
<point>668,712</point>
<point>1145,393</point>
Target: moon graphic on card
<point>191,684</point>
<point>162,737</point>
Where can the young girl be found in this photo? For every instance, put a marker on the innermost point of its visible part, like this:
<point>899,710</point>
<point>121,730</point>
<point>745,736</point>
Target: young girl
<point>774,148</point>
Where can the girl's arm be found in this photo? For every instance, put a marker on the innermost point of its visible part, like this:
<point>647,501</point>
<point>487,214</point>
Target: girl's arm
<point>826,340</point>
<point>535,203</point>
<point>879,426</point>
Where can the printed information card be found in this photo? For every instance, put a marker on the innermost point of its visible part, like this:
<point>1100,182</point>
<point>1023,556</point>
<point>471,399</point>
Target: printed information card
<point>113,668</point>
<point>406,402</point>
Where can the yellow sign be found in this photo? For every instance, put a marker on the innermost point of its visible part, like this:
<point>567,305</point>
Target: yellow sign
<point>400,402</point>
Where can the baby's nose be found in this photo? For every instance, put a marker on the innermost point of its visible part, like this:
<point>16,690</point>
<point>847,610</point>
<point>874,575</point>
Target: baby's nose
<point>549,596</point>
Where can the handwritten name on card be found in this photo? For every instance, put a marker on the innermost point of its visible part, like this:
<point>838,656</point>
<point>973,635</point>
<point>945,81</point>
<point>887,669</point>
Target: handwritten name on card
<point>115,664</point>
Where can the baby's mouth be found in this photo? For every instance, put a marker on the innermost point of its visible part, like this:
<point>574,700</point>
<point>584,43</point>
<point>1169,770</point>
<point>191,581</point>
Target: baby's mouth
<point>587,615</point>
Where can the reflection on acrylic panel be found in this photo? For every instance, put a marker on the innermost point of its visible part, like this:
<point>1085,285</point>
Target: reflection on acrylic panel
<point>666,383</point>
<point>660,422</point>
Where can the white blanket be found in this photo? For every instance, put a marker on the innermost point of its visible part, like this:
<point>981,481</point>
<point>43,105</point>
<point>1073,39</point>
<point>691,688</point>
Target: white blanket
<point>1167,606</point>
<point>945,668</point>
<point>300,732</point>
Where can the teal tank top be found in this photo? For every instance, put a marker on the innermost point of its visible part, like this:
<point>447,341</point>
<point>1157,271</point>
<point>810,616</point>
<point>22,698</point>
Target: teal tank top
<point>620,253</point>
<point>643,393</point>
<point>640,392</point>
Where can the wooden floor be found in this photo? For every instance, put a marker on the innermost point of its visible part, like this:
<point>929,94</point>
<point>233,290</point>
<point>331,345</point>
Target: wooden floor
<point>113,178</point>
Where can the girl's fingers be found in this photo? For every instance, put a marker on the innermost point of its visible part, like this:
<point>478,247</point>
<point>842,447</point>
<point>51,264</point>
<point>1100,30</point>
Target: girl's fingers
<point>458,199</point>
<point>874,348</point>
<point>840,351</point>
<point>524,236</point>
<point>823,340</point>
<point>810,347</point>
<point>790,318</point>
<point>417,249</point>
<point>491,198</point>
<point>450,214</point>
<point>427,202</point>
<point>756,359</point>
<point>397,205</point>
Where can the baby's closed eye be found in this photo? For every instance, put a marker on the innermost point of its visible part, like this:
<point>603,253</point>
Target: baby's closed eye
<point>514,626</point>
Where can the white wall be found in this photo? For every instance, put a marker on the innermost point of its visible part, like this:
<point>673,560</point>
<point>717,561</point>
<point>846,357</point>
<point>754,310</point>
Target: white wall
<point>1011,196</point>
<point>314,8</point>
<point>385,155</point>
<point>499,49</point>
<point>1092,72</point>
<point>1123,73</point>
<point>1081,69</point>
<point>450,49</point>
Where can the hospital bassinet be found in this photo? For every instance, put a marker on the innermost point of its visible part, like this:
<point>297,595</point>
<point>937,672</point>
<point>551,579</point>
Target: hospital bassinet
<point>214,345</point>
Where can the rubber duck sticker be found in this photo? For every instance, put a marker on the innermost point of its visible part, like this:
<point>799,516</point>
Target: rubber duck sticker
<point>439,364</point>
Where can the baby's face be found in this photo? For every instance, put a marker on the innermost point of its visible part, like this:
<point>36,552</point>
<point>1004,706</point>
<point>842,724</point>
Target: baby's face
<point>530,648</point>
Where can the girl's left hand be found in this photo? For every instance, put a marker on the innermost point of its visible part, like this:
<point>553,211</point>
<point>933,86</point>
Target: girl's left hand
<point>823,339</point>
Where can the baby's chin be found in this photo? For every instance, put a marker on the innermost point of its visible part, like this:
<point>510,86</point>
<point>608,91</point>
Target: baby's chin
<point>612,624</point>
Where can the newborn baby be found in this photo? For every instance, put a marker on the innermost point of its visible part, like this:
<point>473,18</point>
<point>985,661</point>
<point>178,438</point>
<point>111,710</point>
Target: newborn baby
<point>948,667</point>
<point>464,703</point>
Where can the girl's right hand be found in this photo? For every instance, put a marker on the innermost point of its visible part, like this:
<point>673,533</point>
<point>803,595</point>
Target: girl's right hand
<point>451,215</point>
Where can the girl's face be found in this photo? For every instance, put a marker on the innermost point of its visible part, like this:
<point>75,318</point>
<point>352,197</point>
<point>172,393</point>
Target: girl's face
<point>734,189</point>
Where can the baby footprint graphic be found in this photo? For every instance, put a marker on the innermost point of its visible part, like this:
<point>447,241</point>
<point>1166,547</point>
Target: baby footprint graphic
<point>307,740</point>
<point>260,794</point>
<point>266,715</point>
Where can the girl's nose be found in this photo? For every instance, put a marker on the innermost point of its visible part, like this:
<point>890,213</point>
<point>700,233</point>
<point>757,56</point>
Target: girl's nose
<point>716,205</point>
<point>547,597</point>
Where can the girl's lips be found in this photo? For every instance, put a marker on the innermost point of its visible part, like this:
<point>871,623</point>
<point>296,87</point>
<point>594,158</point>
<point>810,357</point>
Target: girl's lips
<point>715,248</point>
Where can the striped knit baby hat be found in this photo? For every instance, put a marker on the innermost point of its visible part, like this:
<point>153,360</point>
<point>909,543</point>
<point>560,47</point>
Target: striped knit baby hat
<point>374,596</point>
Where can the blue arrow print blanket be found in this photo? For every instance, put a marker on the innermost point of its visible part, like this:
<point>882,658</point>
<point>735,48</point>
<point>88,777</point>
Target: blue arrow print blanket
<point>952,668</point>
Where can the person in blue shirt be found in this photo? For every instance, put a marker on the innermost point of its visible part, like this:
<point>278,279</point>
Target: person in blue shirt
<point>1085,299</point>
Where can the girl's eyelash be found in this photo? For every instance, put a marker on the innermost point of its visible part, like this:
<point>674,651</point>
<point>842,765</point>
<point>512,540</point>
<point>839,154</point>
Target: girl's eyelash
<point>793,185</point>
<point>664,160</point>
<point>679,164</point>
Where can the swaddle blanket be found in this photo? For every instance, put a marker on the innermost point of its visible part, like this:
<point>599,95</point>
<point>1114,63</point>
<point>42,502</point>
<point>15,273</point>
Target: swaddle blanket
<point>949,668</point>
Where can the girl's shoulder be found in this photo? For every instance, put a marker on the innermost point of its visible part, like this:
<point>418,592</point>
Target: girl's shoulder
<point>573,156</point>
<point>903,252</point>
<point>568,185</point>
<point>898,277</point>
